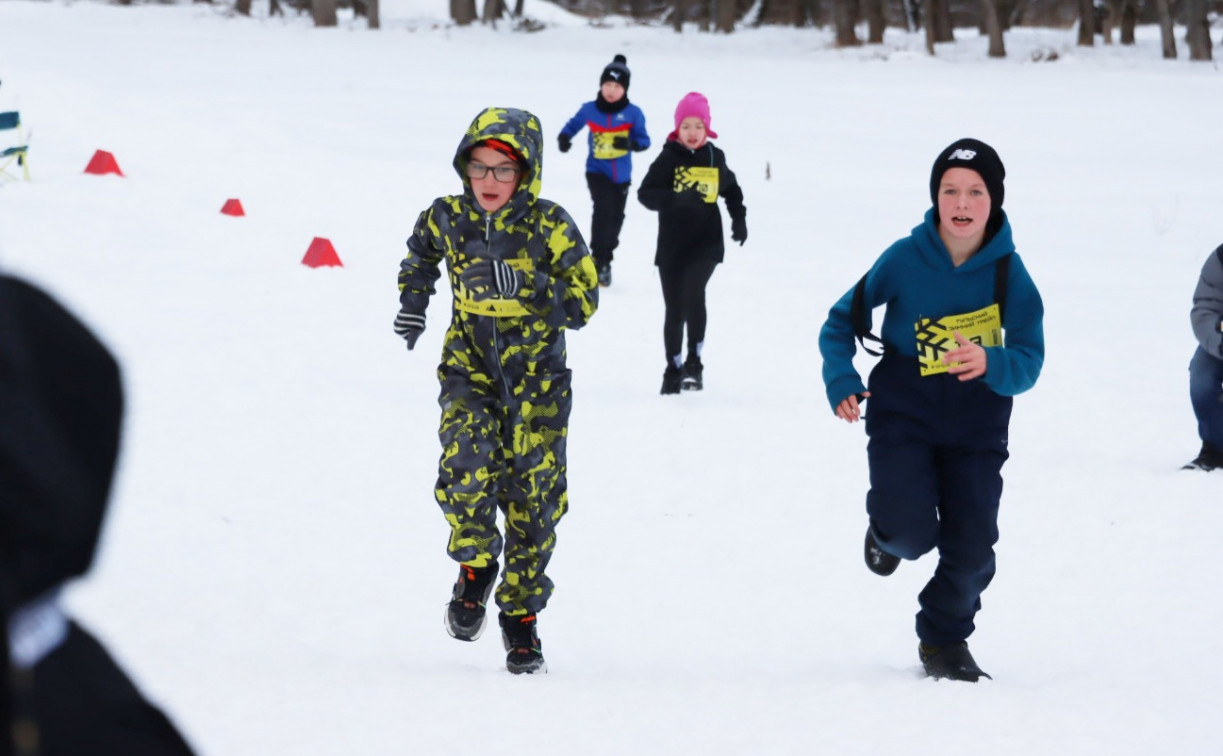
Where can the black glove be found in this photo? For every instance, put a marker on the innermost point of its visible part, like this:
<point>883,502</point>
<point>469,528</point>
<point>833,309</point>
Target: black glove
<point>622,143</point>
<point>409,325</point>
<point>564,142</point>
<point>690,197</point>
<point>738,230</point>
<point>485,278</point>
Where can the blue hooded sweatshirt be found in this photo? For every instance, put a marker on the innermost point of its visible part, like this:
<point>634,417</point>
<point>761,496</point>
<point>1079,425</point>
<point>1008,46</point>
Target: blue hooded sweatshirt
<point>916,279</point>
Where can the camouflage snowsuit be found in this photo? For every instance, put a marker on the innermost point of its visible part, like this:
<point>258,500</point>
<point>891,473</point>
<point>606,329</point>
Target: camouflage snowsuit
<point>505,390</point>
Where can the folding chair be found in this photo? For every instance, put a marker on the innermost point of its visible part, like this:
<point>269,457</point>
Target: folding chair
<point>11,121</point>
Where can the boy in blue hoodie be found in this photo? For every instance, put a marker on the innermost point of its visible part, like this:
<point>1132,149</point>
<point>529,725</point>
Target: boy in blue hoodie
<point>940,399</point>
<point>617,129</point>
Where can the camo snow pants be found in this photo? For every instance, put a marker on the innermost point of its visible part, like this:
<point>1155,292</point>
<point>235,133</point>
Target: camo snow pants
<point>504,449</point>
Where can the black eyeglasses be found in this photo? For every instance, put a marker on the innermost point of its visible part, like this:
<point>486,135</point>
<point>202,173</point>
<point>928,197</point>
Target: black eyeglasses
<point>504,173</point>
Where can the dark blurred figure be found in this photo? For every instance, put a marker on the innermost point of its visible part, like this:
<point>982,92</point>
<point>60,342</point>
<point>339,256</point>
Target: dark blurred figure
<point>61,402</point>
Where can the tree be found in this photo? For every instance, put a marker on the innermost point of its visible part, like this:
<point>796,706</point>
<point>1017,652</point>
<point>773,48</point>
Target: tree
<point>875,21</point>
<point>1087,23</point>
<point>724,16</point>
<point>1165,29</point>
<point>324,12</point>
<point>492,11</point>
<point>243,7</point>
<point>463,11</point>
<point>1197,29</point>
<point>374,17</point>
<point>989,16</point>
<point>845,16</point>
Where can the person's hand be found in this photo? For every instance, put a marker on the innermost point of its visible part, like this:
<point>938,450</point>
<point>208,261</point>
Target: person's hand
<point>850,409</point>
<point>487,278</point>
<point>689,197</point>
<point>738,230</point>
<point>564,142</point>
<point>409,326</point>
<point>622,143</point>
<point>972,359</point>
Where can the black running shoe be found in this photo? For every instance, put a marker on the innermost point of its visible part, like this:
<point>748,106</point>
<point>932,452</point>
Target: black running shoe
<point>465,614</point>
<point>1210,458</point>
<point>692,378</point>
<point>605,275</point>
<point>671,380</point>
<point>525,654</point>
<point>877,560</point>
<point>951,662</point>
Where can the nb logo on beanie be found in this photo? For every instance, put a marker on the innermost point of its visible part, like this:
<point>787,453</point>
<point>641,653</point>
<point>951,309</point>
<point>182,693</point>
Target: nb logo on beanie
<point>962,155</point>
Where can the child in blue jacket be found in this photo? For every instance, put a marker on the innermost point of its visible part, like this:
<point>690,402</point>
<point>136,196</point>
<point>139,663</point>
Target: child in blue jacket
<point>940,399</point>
<point>617,129</point>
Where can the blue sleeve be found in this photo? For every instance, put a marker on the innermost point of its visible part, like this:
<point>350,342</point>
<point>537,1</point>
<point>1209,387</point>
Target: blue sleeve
<point>575,124</point>
<point>837,348</point>
<point>638,133</point>
<point>1014,367</point>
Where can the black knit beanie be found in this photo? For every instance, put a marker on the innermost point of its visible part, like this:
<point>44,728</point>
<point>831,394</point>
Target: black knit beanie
<point>616,71</point>
<point>980,157</point>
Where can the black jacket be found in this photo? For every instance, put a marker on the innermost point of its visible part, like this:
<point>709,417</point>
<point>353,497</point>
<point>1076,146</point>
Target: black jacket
<point>683,186</point>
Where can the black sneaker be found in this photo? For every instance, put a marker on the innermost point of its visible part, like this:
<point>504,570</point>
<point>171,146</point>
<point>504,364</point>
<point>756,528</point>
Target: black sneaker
<point>877,560</point>
<point>1210,458</point>
<point>605,274</point>
<point>465,614</point>
<point>692,377</point>
<point>671,379</point>
<point>951,662</point>
<point>525,653</point>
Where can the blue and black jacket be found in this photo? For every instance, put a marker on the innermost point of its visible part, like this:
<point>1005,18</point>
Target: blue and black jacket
<point>605,121</point>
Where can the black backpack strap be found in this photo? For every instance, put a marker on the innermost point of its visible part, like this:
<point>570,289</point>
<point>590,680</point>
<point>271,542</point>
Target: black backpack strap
<point>1002,270</point>
<point>858,319</point>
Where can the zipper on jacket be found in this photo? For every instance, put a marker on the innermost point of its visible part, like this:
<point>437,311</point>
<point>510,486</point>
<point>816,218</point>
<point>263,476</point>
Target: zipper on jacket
<point>488,246</point>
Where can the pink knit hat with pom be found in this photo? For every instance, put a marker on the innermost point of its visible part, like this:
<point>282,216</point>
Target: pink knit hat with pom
<point>693,104</point>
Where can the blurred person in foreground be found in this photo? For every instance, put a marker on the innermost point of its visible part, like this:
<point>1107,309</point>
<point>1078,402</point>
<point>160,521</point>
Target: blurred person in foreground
<point>1206,367</point>
<point>61,403</point>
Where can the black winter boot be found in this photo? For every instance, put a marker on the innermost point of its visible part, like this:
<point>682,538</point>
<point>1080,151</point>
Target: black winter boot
<point>877,560</point>
<point>465,614</point>
<point>952,662</point>
<point>693,374</point>
<point>671,378</point>
<point>525,652</point>
<point>604,271</point>
<point>1210,458</point>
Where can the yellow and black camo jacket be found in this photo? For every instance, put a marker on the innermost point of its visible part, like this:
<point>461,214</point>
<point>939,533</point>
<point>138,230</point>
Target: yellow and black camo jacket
<point>503,340</point>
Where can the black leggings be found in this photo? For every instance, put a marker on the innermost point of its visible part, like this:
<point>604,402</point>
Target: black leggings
<point>683,293</point>
<point>608,217</point>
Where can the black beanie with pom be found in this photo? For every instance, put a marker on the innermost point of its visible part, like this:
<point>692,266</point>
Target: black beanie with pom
<point>616,71</point>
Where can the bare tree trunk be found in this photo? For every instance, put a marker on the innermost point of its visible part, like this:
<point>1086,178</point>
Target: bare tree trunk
<point>997,48</point>
<point>845,15</point>
<point>725,15</point>
<point>375,18</point>
<point>1087,24</point>
<point>243,7</point>
<point>1112,14</point>
<point>940,10</point>
<point>637,9</point>
<point>492,12</point>
<point>678,11</point>
<point>324,12</point>
<point>1197,29</point>
<point>274,8</point>
<point>1166,35</point>
<point>875,21</point>
<point>1129,18</point>
<point>912,13</point>
<point>463,11</point>
<point>928,23</point>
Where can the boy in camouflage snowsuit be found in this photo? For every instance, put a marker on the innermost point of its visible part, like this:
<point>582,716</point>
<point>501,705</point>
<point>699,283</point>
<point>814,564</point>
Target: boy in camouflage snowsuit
<point>520,275</point>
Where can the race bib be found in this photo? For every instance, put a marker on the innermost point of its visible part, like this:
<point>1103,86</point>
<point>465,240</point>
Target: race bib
<point>703,179</point>
<point>936,337</point>
<point>494,307</point>
<point>603,149</point>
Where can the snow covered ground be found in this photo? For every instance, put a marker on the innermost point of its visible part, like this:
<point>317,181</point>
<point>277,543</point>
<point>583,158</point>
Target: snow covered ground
<point>273,570</point>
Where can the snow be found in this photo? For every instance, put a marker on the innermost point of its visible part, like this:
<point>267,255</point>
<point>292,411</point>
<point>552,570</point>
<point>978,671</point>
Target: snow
<point>273,568</point>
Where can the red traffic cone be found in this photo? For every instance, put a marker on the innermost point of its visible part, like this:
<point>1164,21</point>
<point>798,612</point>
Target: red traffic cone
<point>321,253</point>
<point>102,163</point>
<point>233,207</point>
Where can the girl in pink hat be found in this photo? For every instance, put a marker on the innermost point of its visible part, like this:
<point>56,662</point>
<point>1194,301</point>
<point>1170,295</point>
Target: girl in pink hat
<point>683,186</point>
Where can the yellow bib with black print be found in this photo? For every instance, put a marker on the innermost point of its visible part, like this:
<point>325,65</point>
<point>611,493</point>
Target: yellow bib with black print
<point>603,148</point>
<point>701,178</point>
<point>494,307</point>
<point>937,337</point>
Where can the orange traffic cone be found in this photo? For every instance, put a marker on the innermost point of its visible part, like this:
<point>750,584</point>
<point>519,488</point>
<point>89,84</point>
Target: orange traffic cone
<point>321,253</point>
<point>233,207</point>
<point>102,163</point>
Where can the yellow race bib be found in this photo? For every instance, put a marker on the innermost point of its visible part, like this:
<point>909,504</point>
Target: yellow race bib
<point>603,149</point>
<point>493,307</point>
<point>936,337</point>
<point>701,178</point>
